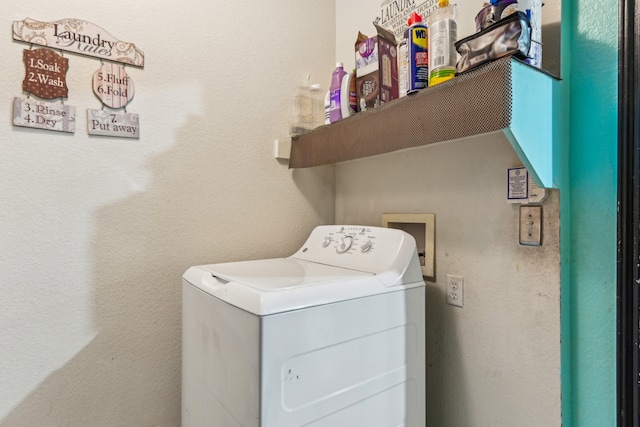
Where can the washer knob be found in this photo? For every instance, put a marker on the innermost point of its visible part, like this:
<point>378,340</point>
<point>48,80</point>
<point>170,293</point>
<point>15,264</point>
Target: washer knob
<point>326,242</point>
<point>366,247</point>
<point>344,245</point>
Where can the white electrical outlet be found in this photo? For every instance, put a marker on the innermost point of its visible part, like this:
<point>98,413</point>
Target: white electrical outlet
<point>455,290</point>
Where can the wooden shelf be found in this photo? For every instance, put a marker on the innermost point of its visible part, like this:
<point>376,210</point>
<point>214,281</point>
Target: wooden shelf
<point>504,96</point>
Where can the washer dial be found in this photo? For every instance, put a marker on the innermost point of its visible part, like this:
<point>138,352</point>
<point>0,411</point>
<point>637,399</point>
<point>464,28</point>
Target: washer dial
<point>344,244</point>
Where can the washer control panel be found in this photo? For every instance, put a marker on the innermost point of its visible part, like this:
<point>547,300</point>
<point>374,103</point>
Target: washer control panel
<point>359,247</point>
<point>346,239</point>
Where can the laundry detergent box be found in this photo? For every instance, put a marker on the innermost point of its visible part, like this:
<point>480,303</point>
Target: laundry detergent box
<point>376,69</point>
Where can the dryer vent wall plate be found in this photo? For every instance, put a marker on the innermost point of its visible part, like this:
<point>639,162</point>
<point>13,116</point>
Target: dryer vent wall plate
<point>422,227</point>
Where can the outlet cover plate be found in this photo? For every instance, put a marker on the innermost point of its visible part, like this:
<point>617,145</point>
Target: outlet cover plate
<point>455,290</point>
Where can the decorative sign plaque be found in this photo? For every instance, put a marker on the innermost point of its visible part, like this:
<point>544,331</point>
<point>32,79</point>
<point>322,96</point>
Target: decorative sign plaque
<point>394,14</point>
<point>78,36</point>
<point>45,115</point>
<point>109,123</point>
<point>112,85</point>
<point>46,73</point>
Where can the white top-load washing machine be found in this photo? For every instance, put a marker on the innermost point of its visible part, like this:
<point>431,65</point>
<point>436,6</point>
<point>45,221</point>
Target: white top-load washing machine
<point>331,336</point>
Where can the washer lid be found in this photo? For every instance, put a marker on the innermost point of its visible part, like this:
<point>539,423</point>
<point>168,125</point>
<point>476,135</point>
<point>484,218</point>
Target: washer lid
<point>272,286</point>
<point>336,263</point>
<point>281,273</point>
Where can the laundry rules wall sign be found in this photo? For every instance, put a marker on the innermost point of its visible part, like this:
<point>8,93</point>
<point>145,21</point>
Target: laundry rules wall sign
<point>47,115</point>
<point>78,36</point>
<point>45,77</point>
<point>113,123</point>
<point>46,74</point>
<point>115,88</point>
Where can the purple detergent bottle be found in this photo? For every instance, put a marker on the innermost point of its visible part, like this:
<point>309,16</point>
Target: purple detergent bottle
<point>335,112</point>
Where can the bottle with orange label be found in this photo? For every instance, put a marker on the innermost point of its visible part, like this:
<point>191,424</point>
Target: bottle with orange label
<point>417,54</point>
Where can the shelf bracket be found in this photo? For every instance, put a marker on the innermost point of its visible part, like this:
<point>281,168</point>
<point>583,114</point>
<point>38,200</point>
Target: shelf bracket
<point>536,120</point>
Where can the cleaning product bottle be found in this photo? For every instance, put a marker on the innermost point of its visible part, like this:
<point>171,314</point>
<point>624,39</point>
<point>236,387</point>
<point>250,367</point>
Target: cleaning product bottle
<point>443,32</point>
<point>327,105</point>
<point>335,112</point>
<point>417,54</point>
<point>403,66</point>
<point>308,108</point>
<point>302,109</point>
<point>348,96</point>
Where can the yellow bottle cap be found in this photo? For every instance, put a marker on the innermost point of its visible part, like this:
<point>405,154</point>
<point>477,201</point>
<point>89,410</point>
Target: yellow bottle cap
<point>443,3</point>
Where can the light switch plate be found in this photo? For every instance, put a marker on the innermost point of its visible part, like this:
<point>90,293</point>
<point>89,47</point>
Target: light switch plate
<point>531,225</point>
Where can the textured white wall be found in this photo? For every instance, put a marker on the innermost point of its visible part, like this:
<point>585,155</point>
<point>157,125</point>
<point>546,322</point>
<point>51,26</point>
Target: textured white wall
<point>95,233</point>
<point>495,362</point>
